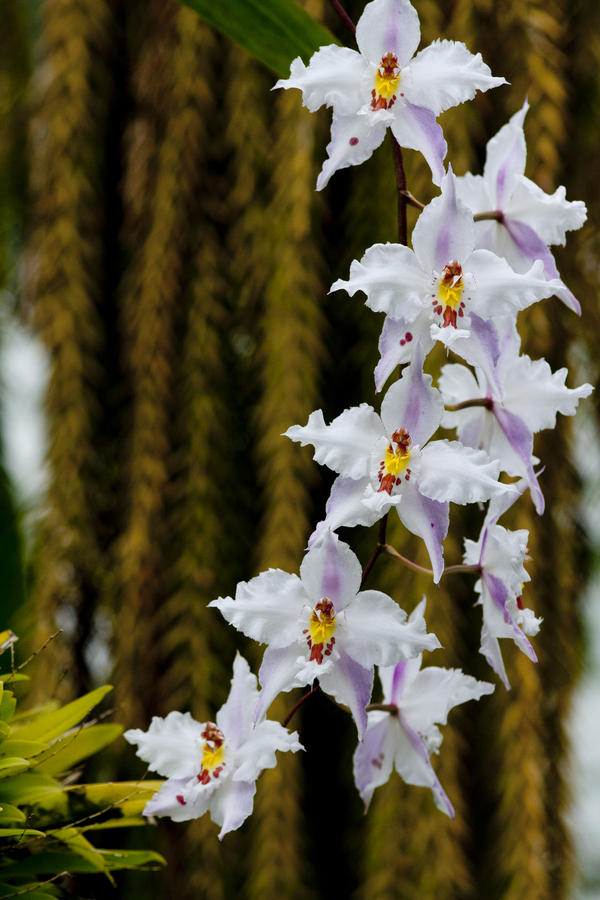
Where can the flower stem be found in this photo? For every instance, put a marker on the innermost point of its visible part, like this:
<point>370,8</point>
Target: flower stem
<point>344,16</point>
<point>495,214</point>
<point>382,707</point>
<point>387,548</point>
<point>466,404</point>
<point>378,549</point>
<point>297,706</point>
<point>402,191</point>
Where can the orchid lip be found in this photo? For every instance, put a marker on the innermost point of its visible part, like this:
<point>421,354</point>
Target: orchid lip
<point>387,80</point>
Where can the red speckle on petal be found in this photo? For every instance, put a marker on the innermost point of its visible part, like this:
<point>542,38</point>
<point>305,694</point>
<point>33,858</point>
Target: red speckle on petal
<point>402,342</point>
<point>180,799</point>
<point>353,141</point>
<point>376,763</point>
<point>408,336</point>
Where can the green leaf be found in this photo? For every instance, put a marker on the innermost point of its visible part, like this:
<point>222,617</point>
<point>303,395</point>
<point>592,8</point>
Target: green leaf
<point>26,749</point>
<point>30,788</point>
<point>9,676</point>
<point>4,730</point>
<point>20,832</point>
<point>12,765</point>
<point>70,750</point>
<point>7,706</point>
<point>56,723</point>
<point>274,31</point>
<point>48,863</point>
<point>80,845</point>
<point>125,822</point>
<point>125,793</point>
<point>10,813</point>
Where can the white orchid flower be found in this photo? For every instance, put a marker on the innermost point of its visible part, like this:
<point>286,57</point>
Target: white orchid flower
<point>529,219</point>
<point>444,290</point>
<point>405,739</point>
<point>533,395</point>
<point>386,461</point>
<point>386,84</point>
<point>323,626</point>
<point>212,766</point>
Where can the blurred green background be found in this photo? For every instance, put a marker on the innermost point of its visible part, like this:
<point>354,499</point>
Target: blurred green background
<point>160,232</point>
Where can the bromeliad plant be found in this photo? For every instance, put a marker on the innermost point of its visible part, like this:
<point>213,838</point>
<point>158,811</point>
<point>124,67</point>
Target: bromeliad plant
<point>480,255</point>
<point>46,815</point>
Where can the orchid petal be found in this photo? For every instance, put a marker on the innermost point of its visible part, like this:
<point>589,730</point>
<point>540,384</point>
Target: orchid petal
<point>505,161</point>
<point>444,230</point>
<point>266,608</point>
<point>330,569</point>
<point>502,291</point>
<point>428,519</point>
<point>450,471</point>
<point>170,801</point>
<point>520,440</point>
<point>397,342</point>
<point>232,805</point>
<point>413,403</point>
<point>353,140</point>
<point>379,634</point>
<point>235,716</point>
<point>345,445</point>
<point>373,759</point>
<point>345,507</point>
<point>446,74</point>
<point>277,675</point>
<point>332,78</point>
<point>416,128</point>
<point>550,216</point>
<point>388,26</point>
<point>435,692</point>
<point>414,767</point>
<point>351,684</point>
<point>482,349</point>
<point>258,751</point>
<point>392,279</point>
<point>170,746</point>
<point>536,394</point>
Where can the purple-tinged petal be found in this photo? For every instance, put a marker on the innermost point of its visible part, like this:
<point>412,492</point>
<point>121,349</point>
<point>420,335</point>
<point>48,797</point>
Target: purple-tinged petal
<point>374,758</point>
<point>416,128</point>
<point>429,520</point>
<point>232,804</point>
<point>414,767</point>
<point>520,438</point>
<point>351,684</point>
<point>506,155</point>
<point>388,26</point>
<point>533,248</point>
<point>331,570</point>
<point>397,343</point>
<point>499,594</point>
<point>392,279</point>
<point>235,716</point>
<point>482,349</point>
<point>549,215</point>
<point>266,608</point>
<point>413,403</point>
<point>277,675</point>
<point>444,230</point>
<point>345,507</point>
<point>446,74</point>
<point>490,648</point>
<point>344,446</point>
<point>353,140</point>
<point>333,77</point>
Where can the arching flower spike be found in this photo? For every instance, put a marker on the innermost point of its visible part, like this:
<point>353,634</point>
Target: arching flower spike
<point>212,766</point>
<point>385,84</point>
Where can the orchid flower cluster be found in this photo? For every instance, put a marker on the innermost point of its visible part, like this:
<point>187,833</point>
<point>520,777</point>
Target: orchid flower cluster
<point>480,255</point>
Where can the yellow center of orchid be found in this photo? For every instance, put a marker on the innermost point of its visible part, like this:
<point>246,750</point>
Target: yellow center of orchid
<point>319,634</point>
<point>387,79</point>
<point>450,290</point>
<point>395,462</point>
<point>212,753</point>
